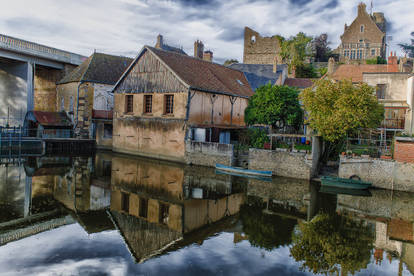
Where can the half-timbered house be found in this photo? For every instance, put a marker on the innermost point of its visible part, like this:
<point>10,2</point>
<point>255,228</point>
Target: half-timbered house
<point>164,99</point>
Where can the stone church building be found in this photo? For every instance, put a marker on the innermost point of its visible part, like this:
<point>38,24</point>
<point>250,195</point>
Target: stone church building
<point>364,38</point>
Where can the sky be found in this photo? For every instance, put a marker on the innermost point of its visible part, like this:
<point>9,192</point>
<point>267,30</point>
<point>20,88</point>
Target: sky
<point>123,27</point>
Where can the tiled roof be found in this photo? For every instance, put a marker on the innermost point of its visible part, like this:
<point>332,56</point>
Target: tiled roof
<point>51,118</point>
<point>354,72</point>
<point>259,74</point>
<point>99,68</point>
<point>298,82</point>
<point>173,49</point>
<point>204,75</point>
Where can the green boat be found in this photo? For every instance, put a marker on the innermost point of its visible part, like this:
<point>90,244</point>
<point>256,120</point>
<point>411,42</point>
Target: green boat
<point>344,183</point>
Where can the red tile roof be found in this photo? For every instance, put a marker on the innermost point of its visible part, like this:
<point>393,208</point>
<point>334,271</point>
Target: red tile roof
<point>52,118</point>
<point>204,75</point>
<point>354,72</point>
<point>298,82</point>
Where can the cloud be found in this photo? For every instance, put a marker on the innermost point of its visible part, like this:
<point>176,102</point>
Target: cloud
<point>123,27</point>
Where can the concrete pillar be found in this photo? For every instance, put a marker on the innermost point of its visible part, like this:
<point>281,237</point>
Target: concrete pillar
<point>30,86</point>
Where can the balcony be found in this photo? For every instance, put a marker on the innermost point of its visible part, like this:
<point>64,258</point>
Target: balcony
<point>393,123</point>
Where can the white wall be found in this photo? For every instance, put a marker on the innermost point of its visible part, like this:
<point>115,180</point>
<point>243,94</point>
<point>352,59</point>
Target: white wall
<point>103,98</point>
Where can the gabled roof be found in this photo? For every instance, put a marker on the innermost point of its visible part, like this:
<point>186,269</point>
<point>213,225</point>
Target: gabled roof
<point>354,72</point>
<point>49,118</point>
<point>198,74</point>
<point>259,74</point>
<point>299,82</point>
<point>99,68</point>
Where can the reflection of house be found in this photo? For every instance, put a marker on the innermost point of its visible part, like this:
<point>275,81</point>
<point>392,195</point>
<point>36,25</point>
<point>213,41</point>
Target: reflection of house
<point>365,37</point>
<point>164,201</point>
<point>44,124</point>
<point>163,95</point>
<point>85,93</point>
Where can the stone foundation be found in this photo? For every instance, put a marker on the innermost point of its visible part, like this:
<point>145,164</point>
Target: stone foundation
<point>208,154</point>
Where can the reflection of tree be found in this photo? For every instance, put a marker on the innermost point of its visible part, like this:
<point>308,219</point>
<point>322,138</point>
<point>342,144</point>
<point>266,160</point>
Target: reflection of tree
<point>331,242</point>
<point>265,230</point>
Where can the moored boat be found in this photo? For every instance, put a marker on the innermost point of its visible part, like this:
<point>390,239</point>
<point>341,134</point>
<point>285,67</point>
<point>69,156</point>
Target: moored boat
<point>344,183</point>
<point>238,170</point>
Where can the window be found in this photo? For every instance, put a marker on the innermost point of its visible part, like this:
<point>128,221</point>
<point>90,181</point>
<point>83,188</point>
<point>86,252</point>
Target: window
<point>169,104</point>
<point>107,131</point>
<point>143,207</point>
<point>125,202</point>
<point>346,53</point>
<point>129,103</point>
<point>373,52</point>
<point>359,53</point>
<point>164,213</point>
<point>148,104</point>
<point>380,91</point>
<point>253,39</point>
<point>362,28</point>
<point>106,168</point>
<point>352,54</point>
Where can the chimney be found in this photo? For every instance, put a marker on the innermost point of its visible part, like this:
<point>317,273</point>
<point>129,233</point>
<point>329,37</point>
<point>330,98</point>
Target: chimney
<point>160,42</point>
<point>208,56</point>
<point>198,49</point>
<point>331,66</point>
<point>362,9</point>
<point>275,61</point>
<point>392,65</point>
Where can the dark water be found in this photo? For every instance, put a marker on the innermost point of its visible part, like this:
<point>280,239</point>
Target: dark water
<point>118,215</point>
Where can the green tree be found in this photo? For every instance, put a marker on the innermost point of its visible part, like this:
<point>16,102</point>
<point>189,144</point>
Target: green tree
<point>330,243</point>
<point>408,48</point>
<point>275,105</point>
<point>377,60</point>
<point>305,71</point>
<point>230,61</point>
<point>336,109</point>
<point>294,50</point>
<point>257,138</point>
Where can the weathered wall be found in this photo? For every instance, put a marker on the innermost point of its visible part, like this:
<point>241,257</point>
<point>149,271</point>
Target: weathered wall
<point>404,149</point>
<point>258,49</point>
<point>207,109</point>
<point>103,97</point>
<point>385,174</point>
<point>102,141</point>
<point>45,88</point>
<point>288,164</point>
<point>208,154</point>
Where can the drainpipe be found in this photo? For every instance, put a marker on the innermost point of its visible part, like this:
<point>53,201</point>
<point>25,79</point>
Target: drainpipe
<point>77,106</point>
<point>187,114</point>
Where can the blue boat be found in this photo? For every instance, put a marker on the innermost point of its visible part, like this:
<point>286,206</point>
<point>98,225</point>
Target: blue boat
<point>344,183</point>
<point>238,170</point>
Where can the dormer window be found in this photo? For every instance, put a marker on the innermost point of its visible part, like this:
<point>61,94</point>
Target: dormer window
<point>362,28</point>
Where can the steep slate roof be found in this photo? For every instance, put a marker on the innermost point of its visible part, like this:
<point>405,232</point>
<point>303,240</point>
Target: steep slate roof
<point>99,68</point>
<point>354,72</point>
<point>298,82</point>
<point>173,49</point>
<point>259,74</point>
<point>199,74</point>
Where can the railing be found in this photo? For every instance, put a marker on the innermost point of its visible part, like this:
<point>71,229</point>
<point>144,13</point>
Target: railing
<point>39,50</point>
<point>393,123</point>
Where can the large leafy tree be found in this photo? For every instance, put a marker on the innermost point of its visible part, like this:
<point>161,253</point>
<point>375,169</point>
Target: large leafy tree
<point>322,50</point>
<point>277,106</point>
<point>331,243</point>
<point>294,50</point>
<point>336,109</point>
<point>408,48</point>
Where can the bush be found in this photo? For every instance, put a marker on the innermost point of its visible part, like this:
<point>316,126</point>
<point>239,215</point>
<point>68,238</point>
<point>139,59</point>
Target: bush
<point>258,138</point>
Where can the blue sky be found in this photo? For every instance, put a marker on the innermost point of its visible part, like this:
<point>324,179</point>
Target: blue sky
<point>122,27</point>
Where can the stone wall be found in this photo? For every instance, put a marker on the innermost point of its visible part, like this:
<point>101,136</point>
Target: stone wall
<point>404,149</point>
<point>385,174</point>
<point>258,49</point>
<point>208,154</point>
<point>281,163</point>
<point>45,88</point>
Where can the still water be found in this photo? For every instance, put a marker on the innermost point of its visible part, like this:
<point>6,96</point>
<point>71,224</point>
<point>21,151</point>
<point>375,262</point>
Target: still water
<point>118,215</point>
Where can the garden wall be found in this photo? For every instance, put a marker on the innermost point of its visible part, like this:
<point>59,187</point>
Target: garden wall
<point>208,154</point>
<point>385,174</point>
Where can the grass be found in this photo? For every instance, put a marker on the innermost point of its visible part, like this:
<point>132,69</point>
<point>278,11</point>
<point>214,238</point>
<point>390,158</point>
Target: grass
<point>303,147</point>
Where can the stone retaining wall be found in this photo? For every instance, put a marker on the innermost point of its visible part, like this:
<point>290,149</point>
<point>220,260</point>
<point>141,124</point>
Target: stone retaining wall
<point>404,149</point>
<point>208,154</point>
<point>281,163</point>
<point>385,174</point>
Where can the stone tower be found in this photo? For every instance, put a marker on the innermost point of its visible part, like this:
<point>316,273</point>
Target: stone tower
<point>258,49</point>
<point>198,49</point>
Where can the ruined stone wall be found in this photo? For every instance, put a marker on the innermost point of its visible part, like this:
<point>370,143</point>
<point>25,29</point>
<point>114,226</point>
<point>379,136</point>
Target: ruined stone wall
<point>208,154</point>
<point>258,49</point>
<point>288,164</point>
<point>385,174</point>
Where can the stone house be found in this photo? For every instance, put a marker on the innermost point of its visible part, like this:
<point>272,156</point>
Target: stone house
<point>86,95</point>
<point>165,99</point>
<point>365,38</point>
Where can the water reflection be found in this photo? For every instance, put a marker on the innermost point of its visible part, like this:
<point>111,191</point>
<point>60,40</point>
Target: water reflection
<point>153,213</point>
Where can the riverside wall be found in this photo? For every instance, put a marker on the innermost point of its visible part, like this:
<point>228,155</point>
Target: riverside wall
<point>208,154</point>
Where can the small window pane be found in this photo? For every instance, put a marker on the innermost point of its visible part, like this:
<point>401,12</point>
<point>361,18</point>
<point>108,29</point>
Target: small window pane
<point>129,103</point>
<point>380,91</point>
<point>169,104</point>
<point>148,103</point>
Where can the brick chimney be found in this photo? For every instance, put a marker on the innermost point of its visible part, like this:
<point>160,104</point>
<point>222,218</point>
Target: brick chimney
<point>160,42</point>
<point>362,9</point>
<point>208,56</point>
<point>392,65</point>
<point>198,49</point>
